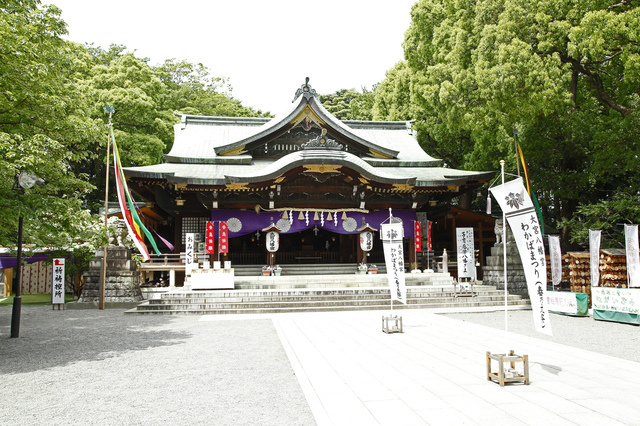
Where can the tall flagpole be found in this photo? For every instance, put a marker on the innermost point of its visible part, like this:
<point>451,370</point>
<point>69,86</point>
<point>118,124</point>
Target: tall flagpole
<point>504,258</point>
<point>110,110</point>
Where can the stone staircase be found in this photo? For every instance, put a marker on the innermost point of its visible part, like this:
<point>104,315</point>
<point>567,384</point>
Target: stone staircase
<point>325,293</point>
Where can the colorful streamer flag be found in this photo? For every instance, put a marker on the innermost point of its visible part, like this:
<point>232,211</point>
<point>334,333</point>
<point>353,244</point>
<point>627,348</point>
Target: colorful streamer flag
<point>594,256</point>
<point>429,244</point>
<point>137,229</point>
<point>525,170</point>
<point>418,236</point>
<point>210,239</point>
<point>521,216</point>
<point>223,239</point>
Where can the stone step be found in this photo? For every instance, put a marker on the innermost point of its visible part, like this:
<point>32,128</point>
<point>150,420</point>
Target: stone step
<point>303,269</point>
<point>452,306</point>
<point>298,300</point>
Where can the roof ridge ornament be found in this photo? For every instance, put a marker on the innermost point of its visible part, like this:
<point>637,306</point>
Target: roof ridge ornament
<point>305,90</point>
<point>322,141</point>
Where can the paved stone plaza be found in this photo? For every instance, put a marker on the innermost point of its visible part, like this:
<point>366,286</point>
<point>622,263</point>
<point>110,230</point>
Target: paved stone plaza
<point>79,367</point>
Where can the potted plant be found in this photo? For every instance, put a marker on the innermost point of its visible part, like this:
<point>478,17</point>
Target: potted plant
<point>362,268</point>
<point>373,269</point>
<point>266,271</point>
<point>277,271</point>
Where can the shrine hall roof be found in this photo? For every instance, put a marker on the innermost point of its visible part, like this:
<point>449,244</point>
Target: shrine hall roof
<point>218,150</point>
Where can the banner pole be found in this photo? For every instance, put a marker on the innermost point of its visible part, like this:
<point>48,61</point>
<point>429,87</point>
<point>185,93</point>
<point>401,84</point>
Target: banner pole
<point>103,275</point>
<point>504,258</point>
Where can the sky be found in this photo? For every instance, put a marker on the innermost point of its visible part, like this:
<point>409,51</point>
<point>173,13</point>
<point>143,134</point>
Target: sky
<point>265,48</point>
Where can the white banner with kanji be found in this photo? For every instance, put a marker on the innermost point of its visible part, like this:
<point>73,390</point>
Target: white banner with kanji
<point>466,266</point>
<point>57,284</point>
<point>522,219</point>
<point>189,252</point>
<point>555,255</point>
<point>594,256</point>
<point>633,257</point>
<point>392,235</point>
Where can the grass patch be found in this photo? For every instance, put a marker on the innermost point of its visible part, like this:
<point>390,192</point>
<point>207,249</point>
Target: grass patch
<point>33,299</point>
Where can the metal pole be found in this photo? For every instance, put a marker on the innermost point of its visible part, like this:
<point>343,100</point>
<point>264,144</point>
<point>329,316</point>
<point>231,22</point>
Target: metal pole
<point>504,258</point>
<point>17,299</point>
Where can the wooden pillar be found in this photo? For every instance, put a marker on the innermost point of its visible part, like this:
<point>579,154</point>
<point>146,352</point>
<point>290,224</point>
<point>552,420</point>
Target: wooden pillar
<point>412,254</point>
<point>177,233</point>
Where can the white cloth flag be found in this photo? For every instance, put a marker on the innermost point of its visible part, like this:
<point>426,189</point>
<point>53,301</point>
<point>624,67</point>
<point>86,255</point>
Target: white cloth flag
<point>594,256</point>
<point>633,257</point>
<point>521,217</point>
<point>466,267</point>
<point>392,234</point>
<point>555,254</point>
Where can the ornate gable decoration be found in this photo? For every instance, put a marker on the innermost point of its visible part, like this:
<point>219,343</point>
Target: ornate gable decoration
<point>322,141</point>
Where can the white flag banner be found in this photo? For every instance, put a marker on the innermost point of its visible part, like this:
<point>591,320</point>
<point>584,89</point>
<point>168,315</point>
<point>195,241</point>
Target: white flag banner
<point>633,257</point>
<point>57,283</point>
<point>189,256</point>
<point>521,217</point>
<point>594,256</point>
<point>466,267</point>
<point>392,234</point>
<point>555,255</point>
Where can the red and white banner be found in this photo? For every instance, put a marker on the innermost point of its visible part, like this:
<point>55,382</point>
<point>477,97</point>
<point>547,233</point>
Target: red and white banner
<point>429,243</point>
<point>418,235</point>
<point>555,255</point>
<point>392,235</point>
<point>223,238</point>
<point>210,239</point>
<point>633,257</point>
<point>594,256</point>
<point>521,216</point>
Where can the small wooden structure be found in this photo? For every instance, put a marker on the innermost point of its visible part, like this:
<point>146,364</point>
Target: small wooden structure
<point>509,375</point>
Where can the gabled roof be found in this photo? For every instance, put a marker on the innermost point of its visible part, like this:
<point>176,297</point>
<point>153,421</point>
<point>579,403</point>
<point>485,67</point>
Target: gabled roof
<point>220,140</point>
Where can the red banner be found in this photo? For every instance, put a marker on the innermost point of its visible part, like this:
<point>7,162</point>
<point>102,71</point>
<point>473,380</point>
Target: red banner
<point>418,235</point>
<point>429,245</point>
<point>210,239</point>
<point>223,241</point>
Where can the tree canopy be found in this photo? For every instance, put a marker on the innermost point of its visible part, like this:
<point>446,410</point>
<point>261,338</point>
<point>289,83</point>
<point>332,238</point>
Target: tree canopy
<point>53,125</point>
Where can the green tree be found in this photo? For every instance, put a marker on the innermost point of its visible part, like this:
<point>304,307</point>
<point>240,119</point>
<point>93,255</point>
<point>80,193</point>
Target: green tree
<point>43,127</point>
<point>349,104</point>
<point>564,73</point>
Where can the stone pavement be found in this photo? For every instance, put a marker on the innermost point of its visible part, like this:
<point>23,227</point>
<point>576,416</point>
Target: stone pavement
<point>435,374</point>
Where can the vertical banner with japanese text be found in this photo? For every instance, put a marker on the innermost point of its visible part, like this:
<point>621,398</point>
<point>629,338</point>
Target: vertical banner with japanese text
<point>466,267</point>
<point>555,255</point>
<point>189,255</point>
<point>223,238</point>
<point>520,214</point>
<point>392,235</point>
<point>210,239</point>
<point>429,243</point>
<point>594,256</point>
<point>633,257</point>
<point>418,236</point>
<point>57,283</point>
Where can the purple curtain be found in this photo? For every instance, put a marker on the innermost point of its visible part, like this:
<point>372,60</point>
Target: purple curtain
<point>245,222</point>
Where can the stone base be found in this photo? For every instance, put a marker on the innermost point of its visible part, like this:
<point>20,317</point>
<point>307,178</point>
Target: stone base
<point>122,284</point>
<point>493,272</point>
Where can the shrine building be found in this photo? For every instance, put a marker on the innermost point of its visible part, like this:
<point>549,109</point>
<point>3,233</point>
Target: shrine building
<point>317,179</point>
